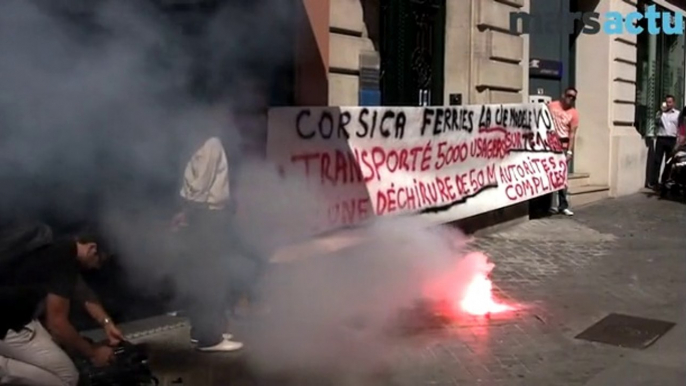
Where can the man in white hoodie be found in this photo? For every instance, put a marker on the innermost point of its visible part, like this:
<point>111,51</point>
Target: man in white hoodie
<point>204,222</point>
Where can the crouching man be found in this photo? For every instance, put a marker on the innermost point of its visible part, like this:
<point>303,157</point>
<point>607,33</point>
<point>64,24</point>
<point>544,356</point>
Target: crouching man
<point>30,352</point>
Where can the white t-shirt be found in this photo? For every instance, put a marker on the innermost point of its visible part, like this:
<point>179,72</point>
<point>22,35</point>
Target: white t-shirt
<point>669,123</point>
<point>206,178</point>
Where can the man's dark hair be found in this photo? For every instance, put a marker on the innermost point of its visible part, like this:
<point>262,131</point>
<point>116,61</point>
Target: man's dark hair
<point>570,88</point>
<point>670,96</point>
<point>90,235</point>
<point>85,238</point>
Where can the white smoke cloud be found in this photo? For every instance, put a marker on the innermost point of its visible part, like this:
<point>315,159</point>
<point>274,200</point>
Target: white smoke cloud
<point>338,314</point>
<point>95,102</point>
<point>94,98</point>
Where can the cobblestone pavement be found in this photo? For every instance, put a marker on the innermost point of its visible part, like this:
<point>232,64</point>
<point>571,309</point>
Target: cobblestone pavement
<point>625,255</point>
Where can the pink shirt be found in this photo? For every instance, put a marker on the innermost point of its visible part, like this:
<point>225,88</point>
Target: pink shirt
<point>565,120</point>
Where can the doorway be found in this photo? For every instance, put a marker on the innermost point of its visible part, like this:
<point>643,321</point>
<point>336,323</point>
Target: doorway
<point>412,52</point>
<point>555,48</point>
<point>552,50</point>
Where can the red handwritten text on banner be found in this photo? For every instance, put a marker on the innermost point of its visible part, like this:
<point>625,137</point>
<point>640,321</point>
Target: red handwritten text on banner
<point>452,161</point>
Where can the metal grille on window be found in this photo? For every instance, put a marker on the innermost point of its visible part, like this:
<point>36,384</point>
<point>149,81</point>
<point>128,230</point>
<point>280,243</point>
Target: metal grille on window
<point>422,10</point>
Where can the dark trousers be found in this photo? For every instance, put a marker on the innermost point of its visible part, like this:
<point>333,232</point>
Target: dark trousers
<point>207,273</point>
<point>663,149</point>
<point>247,269</point>
<point>650,145</point>
<point>562,203</point>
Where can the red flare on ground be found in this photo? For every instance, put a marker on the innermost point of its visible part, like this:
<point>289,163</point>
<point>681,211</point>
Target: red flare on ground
<point>478,298</point>
<point>466,289</point>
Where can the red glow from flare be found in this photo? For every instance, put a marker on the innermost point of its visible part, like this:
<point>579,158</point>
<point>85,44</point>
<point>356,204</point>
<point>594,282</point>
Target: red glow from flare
<point>478,297</point>
<point>466,289</point>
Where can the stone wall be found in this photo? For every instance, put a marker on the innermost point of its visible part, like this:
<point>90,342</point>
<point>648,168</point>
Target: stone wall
<point>353,25</point>
<point>628,153</point>
<point>608,145</point>
<point>483,60</point>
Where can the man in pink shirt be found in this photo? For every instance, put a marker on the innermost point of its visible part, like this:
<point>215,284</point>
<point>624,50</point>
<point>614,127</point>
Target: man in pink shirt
<point>566,124</point>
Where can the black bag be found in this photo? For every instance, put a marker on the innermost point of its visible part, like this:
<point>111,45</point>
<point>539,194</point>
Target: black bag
<point>129,368</point>
<point>18,239</point>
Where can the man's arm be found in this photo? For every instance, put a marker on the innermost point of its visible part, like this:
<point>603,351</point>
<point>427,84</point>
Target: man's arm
<point>574,126</point>
<point>90,300</point>
<point>572,137</point>
<point>95,309</point>
<point>57,320</point>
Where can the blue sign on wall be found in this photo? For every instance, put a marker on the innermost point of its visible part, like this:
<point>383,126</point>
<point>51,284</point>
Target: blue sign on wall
<point>543,68</point>
<point>370,98</point>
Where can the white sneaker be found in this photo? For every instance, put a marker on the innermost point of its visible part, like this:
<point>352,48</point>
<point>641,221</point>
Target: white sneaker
<point>223,346</point>
<point>567,212</point>
<point>553,211</point>
<point>226,336</point>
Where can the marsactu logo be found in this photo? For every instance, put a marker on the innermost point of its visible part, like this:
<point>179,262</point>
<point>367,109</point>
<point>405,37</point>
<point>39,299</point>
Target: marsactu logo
<point>612,23</point>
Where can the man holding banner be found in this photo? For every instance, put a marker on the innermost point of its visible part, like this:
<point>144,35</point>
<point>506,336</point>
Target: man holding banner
<point>566,123</point>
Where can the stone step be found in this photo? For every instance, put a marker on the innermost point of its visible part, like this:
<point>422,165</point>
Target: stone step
<point>575,180</point>
<point>586,194</point>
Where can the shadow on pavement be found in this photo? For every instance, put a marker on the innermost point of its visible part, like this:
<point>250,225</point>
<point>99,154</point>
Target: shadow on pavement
<point>670,195</point>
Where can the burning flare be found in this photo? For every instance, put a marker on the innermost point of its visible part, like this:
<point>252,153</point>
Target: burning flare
<point>478,297</point>
<point>466,289</point>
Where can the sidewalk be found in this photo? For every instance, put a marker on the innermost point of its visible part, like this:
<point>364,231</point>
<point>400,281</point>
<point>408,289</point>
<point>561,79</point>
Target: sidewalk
<point>619,256</point>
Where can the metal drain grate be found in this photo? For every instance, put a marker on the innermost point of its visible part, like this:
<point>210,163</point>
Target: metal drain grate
<point>626,331</point>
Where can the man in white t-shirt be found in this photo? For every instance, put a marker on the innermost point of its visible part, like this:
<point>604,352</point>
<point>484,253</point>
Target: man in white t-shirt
<point>204,223</point>
<point>667,121</point>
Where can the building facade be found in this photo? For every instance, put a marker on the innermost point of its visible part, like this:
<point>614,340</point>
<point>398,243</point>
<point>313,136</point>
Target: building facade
<point>469,55</point>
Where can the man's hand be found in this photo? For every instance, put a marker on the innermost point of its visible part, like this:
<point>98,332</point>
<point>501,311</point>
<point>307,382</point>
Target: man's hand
<point>102,356</point>
<point>114,335</point>
<point>179,221</point>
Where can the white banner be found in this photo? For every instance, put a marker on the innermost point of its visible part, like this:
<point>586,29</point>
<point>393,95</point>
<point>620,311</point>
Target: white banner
<point>445,162</point>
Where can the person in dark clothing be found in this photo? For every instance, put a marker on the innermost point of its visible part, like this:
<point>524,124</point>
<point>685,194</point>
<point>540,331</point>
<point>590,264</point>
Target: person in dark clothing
<point>667,121</point>
<point>681,129</point>
<point>36,290</point>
